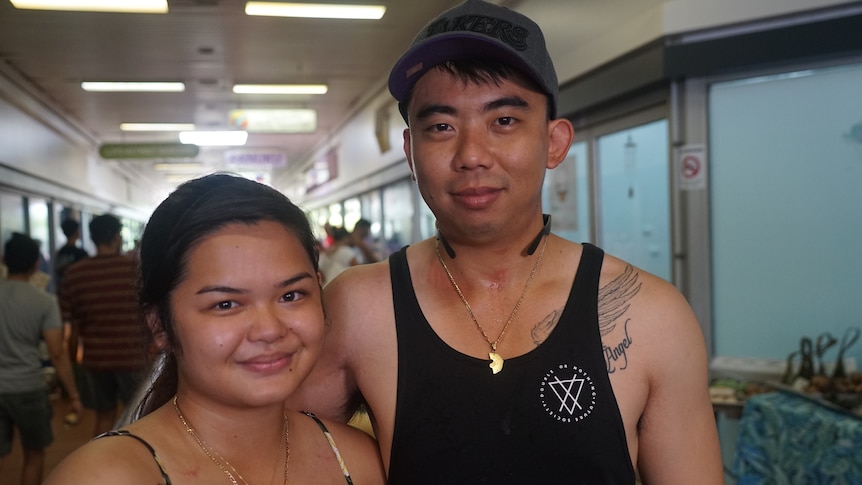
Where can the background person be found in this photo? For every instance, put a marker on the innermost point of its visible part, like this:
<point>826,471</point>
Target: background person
<point>231,295</point>
<point>70,253</point>
<point>67,255</point>
<point>497,352</point>
<point>359,241</point>
<point>339,256</point>
<point>98,298</point>
<point>41,278</point>
<point>27,316</point>
<point>348,249</point>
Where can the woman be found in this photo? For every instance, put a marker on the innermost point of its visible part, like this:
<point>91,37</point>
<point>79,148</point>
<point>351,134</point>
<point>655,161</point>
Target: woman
<point>231,295</point>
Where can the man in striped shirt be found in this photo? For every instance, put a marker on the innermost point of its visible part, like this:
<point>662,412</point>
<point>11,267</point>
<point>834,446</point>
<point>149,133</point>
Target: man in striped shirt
<point>98,296</point>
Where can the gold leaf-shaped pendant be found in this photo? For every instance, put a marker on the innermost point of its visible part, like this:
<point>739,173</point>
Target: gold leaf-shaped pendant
<point>496,364</point>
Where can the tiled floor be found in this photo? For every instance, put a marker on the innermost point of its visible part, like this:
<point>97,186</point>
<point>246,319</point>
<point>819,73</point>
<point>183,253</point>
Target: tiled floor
<point>66,439</point>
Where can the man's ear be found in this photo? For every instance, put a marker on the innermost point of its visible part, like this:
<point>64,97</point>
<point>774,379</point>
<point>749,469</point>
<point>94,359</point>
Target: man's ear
<point>561,133</point>
<point>408,152</point>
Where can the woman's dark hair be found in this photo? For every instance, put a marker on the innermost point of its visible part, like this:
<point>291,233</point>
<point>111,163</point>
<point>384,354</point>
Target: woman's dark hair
<point>192,212</point>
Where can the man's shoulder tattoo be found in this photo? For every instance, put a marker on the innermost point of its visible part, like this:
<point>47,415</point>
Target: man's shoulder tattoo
<point>614,301</point>
<point>541,330</point>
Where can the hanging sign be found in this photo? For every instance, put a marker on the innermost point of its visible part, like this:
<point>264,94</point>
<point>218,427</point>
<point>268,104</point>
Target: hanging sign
<point>691,167</point>
<point>274,120</point>
<point>111,151</point>
<point>255,159</point>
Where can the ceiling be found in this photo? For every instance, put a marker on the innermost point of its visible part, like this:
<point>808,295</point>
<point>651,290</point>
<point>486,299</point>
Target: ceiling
<point>211,45</point>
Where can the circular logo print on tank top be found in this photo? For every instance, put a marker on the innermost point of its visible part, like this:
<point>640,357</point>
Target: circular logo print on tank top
<point>567,393</point>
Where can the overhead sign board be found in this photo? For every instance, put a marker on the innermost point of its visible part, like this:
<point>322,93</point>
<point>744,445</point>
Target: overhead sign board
<point>250,159</point>
<point>110,151</point>
<point>274,120</point>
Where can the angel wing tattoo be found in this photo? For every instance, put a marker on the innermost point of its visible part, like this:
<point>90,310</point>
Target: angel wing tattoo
<point>614,299</point>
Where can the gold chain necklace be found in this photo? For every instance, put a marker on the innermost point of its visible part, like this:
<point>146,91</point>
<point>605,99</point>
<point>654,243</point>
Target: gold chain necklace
<point>496,364</point>
<point>223,464</point>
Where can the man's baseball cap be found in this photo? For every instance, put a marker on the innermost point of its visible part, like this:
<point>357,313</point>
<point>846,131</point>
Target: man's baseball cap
<point>476,30</point>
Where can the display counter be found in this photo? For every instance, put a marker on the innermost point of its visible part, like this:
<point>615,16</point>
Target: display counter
<point>785,438</point>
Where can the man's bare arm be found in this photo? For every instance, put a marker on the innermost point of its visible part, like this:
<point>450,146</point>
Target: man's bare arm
<point>330,390</point>
<point>677,435</point>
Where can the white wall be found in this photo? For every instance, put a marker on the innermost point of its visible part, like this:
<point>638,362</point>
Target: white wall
<point>361,165</point>
<point>608,33</point>
<point>45,149</point>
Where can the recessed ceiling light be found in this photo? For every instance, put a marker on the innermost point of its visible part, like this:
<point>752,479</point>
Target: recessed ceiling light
<point>157,126</point>
<point>126,6</point>
<point>280,88</point>
<point>214,138</point>
<point>315,10</point>
<point>133,86</point>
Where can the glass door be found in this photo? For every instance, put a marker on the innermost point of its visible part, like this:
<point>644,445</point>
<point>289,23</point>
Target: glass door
<point>786,158</point>
<point>633,196</point>
<point>566,195</point>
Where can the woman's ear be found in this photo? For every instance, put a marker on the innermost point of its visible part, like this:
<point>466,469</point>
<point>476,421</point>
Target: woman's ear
<point>160,341</point>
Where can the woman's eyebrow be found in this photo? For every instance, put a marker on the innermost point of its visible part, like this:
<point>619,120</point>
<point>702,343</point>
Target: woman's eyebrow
<point>294,279</point>
<point>220,289</point>
<point>239,291</point>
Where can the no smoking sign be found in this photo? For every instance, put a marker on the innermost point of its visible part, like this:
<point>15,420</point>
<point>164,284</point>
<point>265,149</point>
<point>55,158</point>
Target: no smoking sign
<point>691,167</point>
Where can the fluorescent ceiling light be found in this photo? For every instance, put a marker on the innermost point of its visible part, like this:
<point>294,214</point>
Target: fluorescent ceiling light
<point>133,86</point>
<point>124,6</point>
<point>280,88</point>
<point>315,10</point>
<point>178,167</point>
<point>157,126</point>
<point>214,138</point>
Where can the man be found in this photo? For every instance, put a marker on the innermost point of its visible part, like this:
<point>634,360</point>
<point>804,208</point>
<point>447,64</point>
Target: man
<point>28,315</point>
<point>70,252</point>
<point>597,368</point>
<point>99,298</point>
<point>67,255</point>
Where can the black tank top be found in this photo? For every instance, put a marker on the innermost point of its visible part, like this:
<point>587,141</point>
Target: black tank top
<point>549,417</point>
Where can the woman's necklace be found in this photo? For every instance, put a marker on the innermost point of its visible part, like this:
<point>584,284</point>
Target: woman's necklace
<point>223,464</point>
<point>496,364</point>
